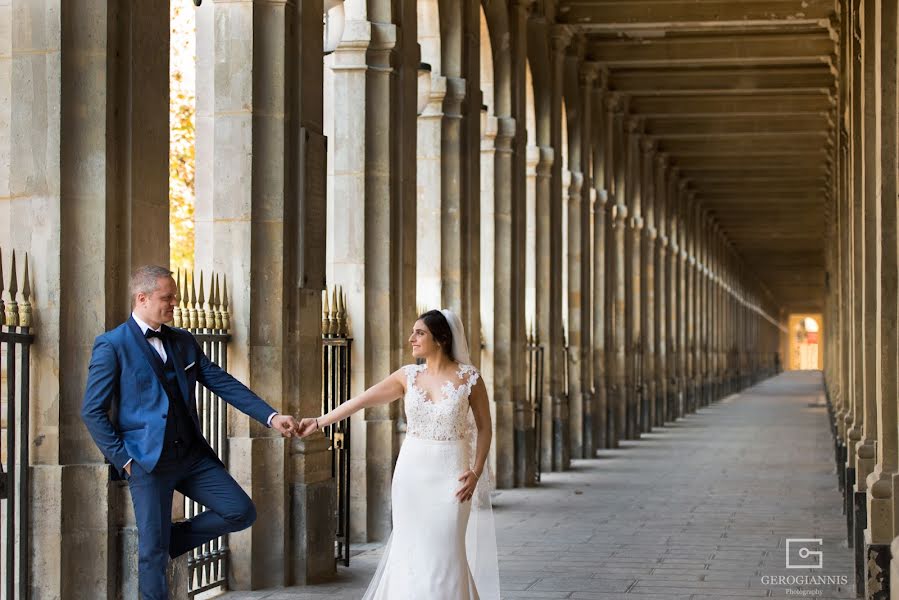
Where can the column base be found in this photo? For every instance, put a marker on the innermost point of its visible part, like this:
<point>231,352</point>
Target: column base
<point>840,457</point>
<point>860,519</point>
<point>525,457</point>
<point>314,529</point>
<point>894,570</point>
<point>561,443</point>
<point>588,449</point>
<point>178,578</point>
<point>877,569</point>
<point>848,509</point>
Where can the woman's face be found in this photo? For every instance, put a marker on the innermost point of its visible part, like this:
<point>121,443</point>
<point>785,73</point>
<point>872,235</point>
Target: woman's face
<point>423,343</point>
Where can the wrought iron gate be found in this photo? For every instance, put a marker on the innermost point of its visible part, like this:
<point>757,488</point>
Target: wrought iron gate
<point>208,319</point>
<point>336,345</point>
<point>15,344</point>
<point>535,392</point>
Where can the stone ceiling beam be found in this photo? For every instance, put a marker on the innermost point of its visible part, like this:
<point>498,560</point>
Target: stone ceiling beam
<point>746,105</point>
<point>661,127</point>
<point>709,51</point>
<point>714,80</point>
<point>622,15</point>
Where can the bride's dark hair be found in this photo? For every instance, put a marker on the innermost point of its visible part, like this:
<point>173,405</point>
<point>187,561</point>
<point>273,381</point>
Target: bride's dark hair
<point>440,330</point>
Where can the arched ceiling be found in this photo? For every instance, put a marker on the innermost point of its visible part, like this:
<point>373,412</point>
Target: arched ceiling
<point>741,95</point>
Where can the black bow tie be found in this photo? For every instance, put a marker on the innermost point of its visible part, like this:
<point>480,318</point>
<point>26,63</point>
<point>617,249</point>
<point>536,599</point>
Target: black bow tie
<point>154,334</point>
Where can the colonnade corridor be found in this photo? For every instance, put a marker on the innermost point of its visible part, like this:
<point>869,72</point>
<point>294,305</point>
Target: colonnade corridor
<point>699,509</point>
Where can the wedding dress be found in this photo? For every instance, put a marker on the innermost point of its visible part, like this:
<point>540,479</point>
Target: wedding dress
<point>440,548</point>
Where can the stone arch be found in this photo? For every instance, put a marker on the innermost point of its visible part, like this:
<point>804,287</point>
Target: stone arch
<point>496,18</point>
<point>538,60</point>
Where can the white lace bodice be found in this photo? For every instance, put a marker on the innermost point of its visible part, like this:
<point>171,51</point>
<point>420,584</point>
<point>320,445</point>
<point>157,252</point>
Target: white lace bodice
<point>445,418</point>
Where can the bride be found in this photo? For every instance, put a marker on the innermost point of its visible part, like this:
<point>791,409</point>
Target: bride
<point>443,544</point>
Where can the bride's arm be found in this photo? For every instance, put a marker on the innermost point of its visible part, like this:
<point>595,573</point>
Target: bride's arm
<point>481,411</point>
<point>385,392</point>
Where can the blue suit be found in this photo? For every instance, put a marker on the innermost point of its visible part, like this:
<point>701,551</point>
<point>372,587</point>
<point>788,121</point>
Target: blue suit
<point>127,374</point>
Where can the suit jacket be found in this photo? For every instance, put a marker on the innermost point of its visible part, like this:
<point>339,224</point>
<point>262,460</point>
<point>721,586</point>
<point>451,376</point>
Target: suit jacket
<point>125,372</point>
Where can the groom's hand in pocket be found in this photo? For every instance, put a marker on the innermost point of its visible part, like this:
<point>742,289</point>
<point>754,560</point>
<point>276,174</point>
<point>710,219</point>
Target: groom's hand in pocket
<point>286,425</point>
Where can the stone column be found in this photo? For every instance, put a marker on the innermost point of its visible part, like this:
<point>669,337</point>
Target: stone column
<point>867,249</point>
<point>672,294</point>
<point>660,317</point>
<point>268,133</point>
<point>586,84</point>
<point>854,418</point>
<point>429,263</point>
<point>633,291</point>
<point>362,209</point>
<point>471,178</point>
<point>525,438</point>
<point>602,183</point>
<point>617,331</point>
<point>497,286</point>
<point>543,293</point>
<point>703,314</point>
<point>574,292</point>
<point>648,285</point>
<point>560,37</point>
<point>689,255</point>
<point>676,272</point>
<point>86,181</point>
<point>880,483</point>
<point>487,242</point>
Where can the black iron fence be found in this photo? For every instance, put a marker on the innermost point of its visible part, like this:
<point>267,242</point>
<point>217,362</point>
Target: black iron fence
<point>336,345</point>
<point>535,392</point>
<point>208,319</point>
<point>15,345</point>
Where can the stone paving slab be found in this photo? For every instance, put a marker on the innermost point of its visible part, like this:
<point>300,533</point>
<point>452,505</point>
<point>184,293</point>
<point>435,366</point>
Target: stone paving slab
<point>697,510</point>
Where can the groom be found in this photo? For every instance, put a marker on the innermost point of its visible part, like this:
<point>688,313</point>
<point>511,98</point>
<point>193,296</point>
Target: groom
<point>147,372</point>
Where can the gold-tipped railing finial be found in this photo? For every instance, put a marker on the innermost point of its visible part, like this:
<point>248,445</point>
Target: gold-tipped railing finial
<point>333,325</point>
<point>210,315</point>
<point>25,305</point>
<point>217,308</point>
<point>12,308</point>
<point>201,304</point>
<point>325,311</point>
<point>191,301</point>
<point>226,316</point>
<point>342,329</point>
<point>176,312</point>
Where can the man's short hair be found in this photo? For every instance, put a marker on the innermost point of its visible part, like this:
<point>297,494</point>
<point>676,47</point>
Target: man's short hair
<point>144,279</point>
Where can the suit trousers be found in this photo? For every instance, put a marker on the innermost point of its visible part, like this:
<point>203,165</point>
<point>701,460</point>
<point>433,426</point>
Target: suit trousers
<point>201,477</point>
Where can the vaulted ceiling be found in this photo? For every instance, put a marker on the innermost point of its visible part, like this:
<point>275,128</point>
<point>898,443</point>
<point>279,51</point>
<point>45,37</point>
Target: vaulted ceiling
<point>741,95</point>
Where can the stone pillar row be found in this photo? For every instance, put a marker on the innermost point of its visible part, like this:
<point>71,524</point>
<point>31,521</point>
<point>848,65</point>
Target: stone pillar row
<point>861,303</point>
<point>661,317</point>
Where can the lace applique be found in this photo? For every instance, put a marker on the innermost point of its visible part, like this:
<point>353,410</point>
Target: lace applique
<point>443,419</point>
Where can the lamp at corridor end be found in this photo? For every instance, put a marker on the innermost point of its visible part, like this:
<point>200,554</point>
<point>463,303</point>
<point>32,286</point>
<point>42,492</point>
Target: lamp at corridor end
<point>424,86</point>
<point>335,20</point>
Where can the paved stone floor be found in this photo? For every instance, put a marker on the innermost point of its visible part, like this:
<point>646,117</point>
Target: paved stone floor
<point>699,510</point>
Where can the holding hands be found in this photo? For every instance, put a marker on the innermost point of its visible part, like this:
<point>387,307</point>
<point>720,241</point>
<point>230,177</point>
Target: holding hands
<point>307,426</point>
<point>286,425</point>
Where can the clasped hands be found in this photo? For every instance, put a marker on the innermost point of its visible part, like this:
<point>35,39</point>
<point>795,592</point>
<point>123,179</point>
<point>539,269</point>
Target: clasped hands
<point>289,426</point>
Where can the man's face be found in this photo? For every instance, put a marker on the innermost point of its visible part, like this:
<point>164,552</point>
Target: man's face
<point>158,307</point>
